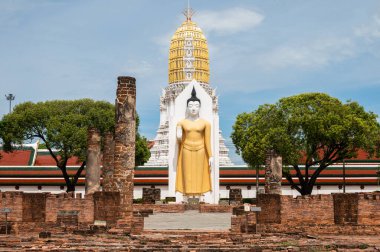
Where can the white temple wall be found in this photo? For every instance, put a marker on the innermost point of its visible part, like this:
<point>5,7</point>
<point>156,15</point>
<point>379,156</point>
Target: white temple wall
<point>44,189</point>
<point>223,193</point>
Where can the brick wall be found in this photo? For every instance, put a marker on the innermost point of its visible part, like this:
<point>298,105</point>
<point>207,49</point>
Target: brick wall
<point>64,201</point>
<point>33,207</point>
<point>166,208</point>
<point>237,223</point>
<point>270,208</point>
<point>346,208</point>
<point>106,206</point>
<point>324,213</point>
<point>245,223</point>
<point>44,207</point>
<point>138,225</point>
<point>369,209</point>
<point>205,208</point>
<point>11,200</point>
<point>338,213</point>
<point>307,210</point>
<point>303,210</point>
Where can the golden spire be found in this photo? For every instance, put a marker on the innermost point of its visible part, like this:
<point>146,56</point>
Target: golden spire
<point>188,12</point>
<point>188,53</point>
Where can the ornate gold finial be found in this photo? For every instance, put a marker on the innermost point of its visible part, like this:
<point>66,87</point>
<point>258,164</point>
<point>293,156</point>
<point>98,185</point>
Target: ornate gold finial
<point>188,12</point>
<point>188,53</point>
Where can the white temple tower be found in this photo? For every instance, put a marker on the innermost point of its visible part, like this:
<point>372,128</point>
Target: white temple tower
<point>188,61</point>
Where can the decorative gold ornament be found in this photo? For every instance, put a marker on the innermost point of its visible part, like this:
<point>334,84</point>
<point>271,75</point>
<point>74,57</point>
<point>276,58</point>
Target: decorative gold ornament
<point>188,53</point>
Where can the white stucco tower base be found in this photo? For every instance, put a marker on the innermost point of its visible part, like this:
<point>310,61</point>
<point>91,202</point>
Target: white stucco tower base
<point>165,150</point>
<point>188,68</point>
<point>207,113</point>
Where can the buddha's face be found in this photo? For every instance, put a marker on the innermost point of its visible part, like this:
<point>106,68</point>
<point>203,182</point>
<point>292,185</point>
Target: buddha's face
<point>194,107</point>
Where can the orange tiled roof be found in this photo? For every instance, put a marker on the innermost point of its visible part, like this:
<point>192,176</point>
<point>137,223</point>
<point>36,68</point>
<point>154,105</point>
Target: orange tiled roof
<point>16,158</point>
<point>47,160</point>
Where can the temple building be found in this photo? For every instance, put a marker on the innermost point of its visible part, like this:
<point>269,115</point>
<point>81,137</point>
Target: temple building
<point>32,169</point>
<point>188,61</point>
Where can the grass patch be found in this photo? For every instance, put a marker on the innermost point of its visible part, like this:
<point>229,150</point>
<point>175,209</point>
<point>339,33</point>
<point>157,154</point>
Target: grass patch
<point>363,246</point>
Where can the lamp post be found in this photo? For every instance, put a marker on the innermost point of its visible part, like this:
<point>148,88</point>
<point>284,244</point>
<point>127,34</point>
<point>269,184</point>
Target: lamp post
<point>10,98</point>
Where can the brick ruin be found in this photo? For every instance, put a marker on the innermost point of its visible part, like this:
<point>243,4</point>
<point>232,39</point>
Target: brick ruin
<point>151,195</point>
<point>108,157</point>
<point>36,212</point>
<point>93,161</point>
<point>124,152</point>
<point>357,213</point>
<point>351,213</point>
<point>235,196</point>
<point>113,205</point>
<point>273,172</point>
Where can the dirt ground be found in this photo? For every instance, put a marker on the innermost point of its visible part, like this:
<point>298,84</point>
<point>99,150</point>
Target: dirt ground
<point>188,241</point>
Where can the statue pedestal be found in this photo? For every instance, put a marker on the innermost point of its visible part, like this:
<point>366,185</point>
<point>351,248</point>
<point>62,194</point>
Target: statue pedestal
<point>193,201</point>
<point>177,112</point>
<point>192,204</point>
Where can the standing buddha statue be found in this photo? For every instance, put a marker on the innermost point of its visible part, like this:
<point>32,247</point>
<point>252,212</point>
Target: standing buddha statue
<point>195,157</point>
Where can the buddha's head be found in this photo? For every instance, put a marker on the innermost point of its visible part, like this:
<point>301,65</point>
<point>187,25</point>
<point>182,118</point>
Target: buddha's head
<point>193,104</point>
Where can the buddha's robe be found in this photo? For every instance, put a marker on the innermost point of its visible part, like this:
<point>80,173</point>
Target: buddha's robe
<point>193,171</point>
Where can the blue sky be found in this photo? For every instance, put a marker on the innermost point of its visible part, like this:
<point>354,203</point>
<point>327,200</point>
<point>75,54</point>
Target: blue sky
<point>260,51</point>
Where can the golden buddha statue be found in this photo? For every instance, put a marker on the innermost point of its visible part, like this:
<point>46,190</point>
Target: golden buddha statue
<point>195,156</point>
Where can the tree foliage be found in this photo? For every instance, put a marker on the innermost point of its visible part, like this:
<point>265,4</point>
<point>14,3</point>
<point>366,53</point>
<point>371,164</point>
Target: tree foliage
<point>142,152</point>
<point>62,126</point>
<point>312,128</point>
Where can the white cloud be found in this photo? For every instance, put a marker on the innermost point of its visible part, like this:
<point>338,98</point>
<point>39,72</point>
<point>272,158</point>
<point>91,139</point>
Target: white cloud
<point>318,53</point>
<point>164,42</point>
<point>229,21</point>
<point>324,51</point>
<point>371,31</point>
<point>164,39</point>
<point>138,69</point>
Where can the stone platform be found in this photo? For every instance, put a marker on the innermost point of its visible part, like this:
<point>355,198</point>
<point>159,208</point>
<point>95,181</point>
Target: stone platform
<point>188,220</point>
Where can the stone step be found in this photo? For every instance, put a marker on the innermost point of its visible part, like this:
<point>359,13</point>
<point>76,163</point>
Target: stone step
<point>191,207</point>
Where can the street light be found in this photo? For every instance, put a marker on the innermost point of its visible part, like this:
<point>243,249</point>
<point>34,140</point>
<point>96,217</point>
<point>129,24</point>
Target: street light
<point>10,98</point>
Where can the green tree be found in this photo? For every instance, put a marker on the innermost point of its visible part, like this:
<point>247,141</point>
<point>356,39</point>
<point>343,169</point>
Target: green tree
<point>313,129</point>
<point>61,125</point>
<point>142,152</point>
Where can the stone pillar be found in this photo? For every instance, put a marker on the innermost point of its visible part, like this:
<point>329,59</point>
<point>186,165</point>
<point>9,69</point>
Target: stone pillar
<point>273,173</point>
<point>124,159</point>
<point>93,161</point>
<point>108,159</point>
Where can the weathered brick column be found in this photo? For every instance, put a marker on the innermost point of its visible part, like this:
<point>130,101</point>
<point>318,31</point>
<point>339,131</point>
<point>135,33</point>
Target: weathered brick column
<point>124,159</point>
<point>108,159</point>
<point>93,161</point>
<point>273,172</point>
